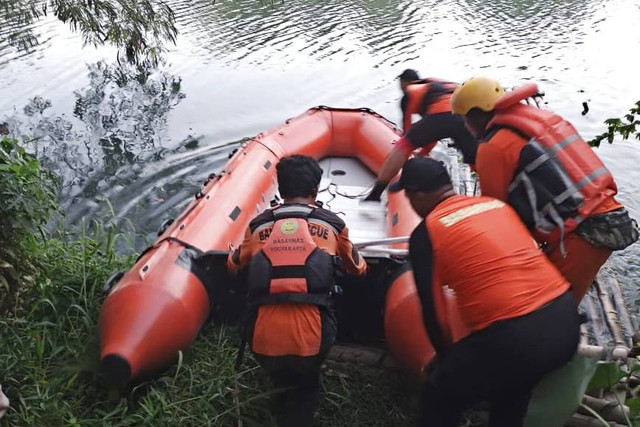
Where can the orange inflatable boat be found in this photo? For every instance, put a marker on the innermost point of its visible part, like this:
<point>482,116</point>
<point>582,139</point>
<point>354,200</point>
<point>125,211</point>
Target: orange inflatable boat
<point>159,306</point>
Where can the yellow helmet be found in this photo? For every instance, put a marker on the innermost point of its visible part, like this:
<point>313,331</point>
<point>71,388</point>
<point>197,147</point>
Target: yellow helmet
<point>477,92</point>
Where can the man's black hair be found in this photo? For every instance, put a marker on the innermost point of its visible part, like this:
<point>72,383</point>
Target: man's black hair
<point>298,176</point>
<point>409,75</point>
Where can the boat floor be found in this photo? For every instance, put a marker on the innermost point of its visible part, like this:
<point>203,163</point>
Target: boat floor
<point>344,183</point>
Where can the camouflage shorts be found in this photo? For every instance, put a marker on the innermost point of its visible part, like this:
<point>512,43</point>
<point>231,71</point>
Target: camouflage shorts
<point>614,230</point>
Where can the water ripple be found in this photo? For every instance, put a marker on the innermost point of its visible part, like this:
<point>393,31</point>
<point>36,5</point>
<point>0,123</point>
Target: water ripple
<point>246,65</point>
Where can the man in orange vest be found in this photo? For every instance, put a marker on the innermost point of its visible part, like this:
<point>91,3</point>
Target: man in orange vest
<point>430,98</point>
<point>406,78</point>
<point>538,163</point>
<point>523,321</point>
<point>292,252</point>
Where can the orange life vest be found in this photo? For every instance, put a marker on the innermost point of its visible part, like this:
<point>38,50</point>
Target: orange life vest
<point>429,96</point>
<point>478,247</point>
<point>559,180</point>
<point>293,272</point>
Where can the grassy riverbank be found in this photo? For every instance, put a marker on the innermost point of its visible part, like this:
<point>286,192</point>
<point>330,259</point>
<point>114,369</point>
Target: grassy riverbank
<point>50,363</point>
<point>50,297</point>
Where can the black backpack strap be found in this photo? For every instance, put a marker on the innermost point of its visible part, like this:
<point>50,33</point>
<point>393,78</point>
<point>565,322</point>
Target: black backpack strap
<point>322,300</point>
<point>495,128</point>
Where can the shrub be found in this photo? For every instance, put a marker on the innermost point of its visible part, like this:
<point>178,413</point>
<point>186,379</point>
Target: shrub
<point>625,127</point>
<point>27,200</point>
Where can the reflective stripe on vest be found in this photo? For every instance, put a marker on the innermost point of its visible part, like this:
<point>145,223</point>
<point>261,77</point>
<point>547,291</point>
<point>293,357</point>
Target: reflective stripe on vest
<point>561,177</point>
<point>293,211</point>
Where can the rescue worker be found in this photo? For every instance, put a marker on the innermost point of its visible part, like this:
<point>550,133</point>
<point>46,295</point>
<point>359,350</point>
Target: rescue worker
<point>406,78</point>
<point>430,98</point>
<point>292,252</point>
<point>538,163</point>
<point>523,321</point>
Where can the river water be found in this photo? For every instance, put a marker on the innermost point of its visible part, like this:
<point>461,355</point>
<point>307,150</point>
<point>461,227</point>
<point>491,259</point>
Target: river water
<point>137,151</point>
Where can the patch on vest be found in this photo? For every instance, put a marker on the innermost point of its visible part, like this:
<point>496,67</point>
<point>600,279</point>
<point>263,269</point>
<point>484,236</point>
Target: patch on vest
<point>459,215</point>
<point>289,227</point>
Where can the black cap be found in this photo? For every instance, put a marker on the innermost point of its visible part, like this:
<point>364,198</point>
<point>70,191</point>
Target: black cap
<point>409,74</point>
<point>422,174</point>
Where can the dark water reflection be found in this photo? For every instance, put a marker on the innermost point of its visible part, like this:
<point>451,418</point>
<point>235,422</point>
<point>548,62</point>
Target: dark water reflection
<point>145,145</point>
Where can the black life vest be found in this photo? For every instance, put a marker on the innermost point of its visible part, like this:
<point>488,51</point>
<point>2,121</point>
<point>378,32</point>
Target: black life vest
<point>291,267</point>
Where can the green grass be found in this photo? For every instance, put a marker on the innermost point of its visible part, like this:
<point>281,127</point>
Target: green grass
<point>50,365</point>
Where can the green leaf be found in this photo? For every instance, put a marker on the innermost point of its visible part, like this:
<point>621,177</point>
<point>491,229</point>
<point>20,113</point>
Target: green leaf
<point>634,406</point>
<point>4,283</point>
<point>606,375</point>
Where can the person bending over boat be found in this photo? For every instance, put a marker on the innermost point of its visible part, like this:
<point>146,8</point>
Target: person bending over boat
<point>523,319</point>
<point>538,163</point>
<point>407,78</point>
<point>430,98</point>
<point>293,251</point>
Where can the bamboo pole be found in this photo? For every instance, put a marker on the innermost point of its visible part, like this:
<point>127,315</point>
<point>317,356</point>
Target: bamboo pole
<point>579,420</point>
<point>619,305</point>
<point>618,353</point>
<point>611,315</point>
<point>595,324</point>
<point>610,411</point>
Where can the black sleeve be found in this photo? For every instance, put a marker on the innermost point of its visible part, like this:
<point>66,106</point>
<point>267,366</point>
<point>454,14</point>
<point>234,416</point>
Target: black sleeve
<point>421,255</point>
<point>404,102</point>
